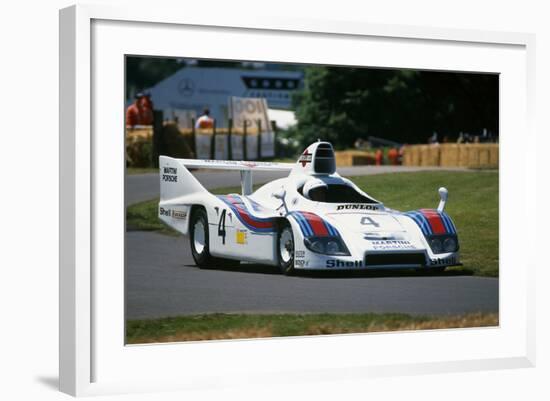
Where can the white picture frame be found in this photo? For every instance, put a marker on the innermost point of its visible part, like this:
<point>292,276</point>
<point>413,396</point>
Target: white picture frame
<point>93,358</point>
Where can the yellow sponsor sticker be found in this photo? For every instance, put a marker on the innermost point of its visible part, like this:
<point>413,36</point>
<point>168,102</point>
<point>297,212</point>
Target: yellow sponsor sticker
<point>241,237</point>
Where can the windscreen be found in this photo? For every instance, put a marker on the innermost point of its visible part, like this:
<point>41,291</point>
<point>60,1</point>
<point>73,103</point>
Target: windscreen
<point>338,193</point>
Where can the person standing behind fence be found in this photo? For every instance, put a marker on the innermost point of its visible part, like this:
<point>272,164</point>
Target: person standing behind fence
<point>146,110</point>
<point>205,121</point>
<point>133,113</point>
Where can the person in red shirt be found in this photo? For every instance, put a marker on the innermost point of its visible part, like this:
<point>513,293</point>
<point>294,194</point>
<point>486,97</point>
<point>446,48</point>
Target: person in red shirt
<point>146,110</point>
<point>133,113</point>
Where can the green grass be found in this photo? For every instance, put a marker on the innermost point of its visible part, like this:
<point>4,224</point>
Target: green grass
<point>141,170</point>
<point>216,326</point>
<point>472,204</point>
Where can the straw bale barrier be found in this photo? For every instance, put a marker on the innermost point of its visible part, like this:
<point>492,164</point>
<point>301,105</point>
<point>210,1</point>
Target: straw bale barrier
<point>471,155</point>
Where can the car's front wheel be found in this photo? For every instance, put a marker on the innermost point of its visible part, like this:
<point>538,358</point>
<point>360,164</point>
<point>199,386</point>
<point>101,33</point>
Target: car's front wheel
<point>285,247</point>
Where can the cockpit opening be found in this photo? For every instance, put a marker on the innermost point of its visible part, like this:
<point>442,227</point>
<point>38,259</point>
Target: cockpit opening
<point>332,193</point>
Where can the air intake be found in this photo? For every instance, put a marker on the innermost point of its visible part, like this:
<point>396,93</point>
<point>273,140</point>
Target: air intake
<point>394,259</point>
<point>324,162</point>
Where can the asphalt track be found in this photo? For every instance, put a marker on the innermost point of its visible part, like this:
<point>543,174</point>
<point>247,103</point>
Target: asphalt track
<point>162,280</point>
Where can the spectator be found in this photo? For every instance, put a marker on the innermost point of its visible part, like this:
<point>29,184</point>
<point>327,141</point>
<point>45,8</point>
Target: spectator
<point>393,156</point>
<point>205,121</point>
<point>133,113</point>
<point>146,110</point>
<point>433,139</point>
<point>379,157</point>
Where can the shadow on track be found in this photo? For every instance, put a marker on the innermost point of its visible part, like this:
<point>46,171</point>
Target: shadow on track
<point>272,270</point>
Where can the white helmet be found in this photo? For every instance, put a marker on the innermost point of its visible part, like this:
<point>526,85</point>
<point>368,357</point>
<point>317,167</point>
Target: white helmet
<point>315,189</point>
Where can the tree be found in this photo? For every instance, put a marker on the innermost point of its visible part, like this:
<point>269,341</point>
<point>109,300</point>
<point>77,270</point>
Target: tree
<point>341,104</point>
<point>144,72</point>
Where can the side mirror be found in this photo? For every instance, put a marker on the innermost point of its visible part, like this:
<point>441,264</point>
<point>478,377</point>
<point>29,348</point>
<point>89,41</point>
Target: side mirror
<point>443,194</point>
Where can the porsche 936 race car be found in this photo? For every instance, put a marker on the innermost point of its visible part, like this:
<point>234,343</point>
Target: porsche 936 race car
<point>312,219</point>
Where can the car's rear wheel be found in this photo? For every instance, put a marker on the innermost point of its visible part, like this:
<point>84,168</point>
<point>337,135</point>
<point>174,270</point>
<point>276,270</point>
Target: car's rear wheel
<point>200,244</point>
<point>285,248</point>
<point>198,230</point>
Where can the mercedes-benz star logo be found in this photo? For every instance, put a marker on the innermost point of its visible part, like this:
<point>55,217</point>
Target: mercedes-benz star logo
<point>186,87</point>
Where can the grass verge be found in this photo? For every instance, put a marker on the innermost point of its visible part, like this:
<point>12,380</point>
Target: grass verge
<point>473,205</point>
<point>141,170</point>
<point>219,326</point>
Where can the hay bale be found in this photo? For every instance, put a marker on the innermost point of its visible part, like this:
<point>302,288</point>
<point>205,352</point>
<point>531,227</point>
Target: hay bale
<point>407,160</point>
<point>449,155</point>
<point>415,155</point>
<point>348,158</point>
<point>484,156</point>
<point>423,155</point>
<point>493,155</point>
<point>430,155</point>
<point>472,160</point>
<point>463,155</point>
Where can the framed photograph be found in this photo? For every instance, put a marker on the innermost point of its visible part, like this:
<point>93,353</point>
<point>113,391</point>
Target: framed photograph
<point>263,201</point>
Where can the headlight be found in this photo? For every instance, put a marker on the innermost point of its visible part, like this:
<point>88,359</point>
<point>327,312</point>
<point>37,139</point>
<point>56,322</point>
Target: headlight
<point>326,245</point>
<point>332,247</point>
<point>435,244</point>
<point>317,246</point>
<point>449,245</point>
<point>443,243</point>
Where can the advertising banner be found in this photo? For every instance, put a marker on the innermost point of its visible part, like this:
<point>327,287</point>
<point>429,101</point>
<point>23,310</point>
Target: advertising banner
<point>252,147</point>
<point>203,143</point>
<point>237,152</point>
<point>221,147</point>
<point>253,112</point>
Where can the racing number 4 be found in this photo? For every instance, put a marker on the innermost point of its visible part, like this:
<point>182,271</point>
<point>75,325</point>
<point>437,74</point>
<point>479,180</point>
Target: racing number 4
<point>368,221</point>
<point>221,226</point>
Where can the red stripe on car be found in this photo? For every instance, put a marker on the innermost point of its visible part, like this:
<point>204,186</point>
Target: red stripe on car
<point>246,216</point>
<point>317,225</point>
<point>436,223</point>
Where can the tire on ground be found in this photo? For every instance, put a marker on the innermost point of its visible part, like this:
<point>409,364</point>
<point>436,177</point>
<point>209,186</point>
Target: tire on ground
<point>285,248</point>
<point>200,247</point>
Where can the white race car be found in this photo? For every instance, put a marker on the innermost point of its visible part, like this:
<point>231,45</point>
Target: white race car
<point>312,219</point>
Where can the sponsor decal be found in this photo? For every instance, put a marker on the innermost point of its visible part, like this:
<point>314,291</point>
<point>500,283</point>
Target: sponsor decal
<point>165,212</point>
<point>443,261</point>
<point>343,263</point>
<point>299,254</point>
<point>305,158</point>
<point>358,206</point>
<point>179,214</point>
<point>170,174</point>
<point>301,263</point>
<point>391,244</point>
<point>241,237</point>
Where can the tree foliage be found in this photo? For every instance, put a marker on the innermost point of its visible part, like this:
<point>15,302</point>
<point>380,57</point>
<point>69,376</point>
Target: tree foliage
<point>144,72</point>
<point>342,104</point>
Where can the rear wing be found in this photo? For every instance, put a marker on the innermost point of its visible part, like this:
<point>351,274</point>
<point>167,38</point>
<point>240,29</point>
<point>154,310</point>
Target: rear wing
<point>236,165</point>
<point>245,167</point>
